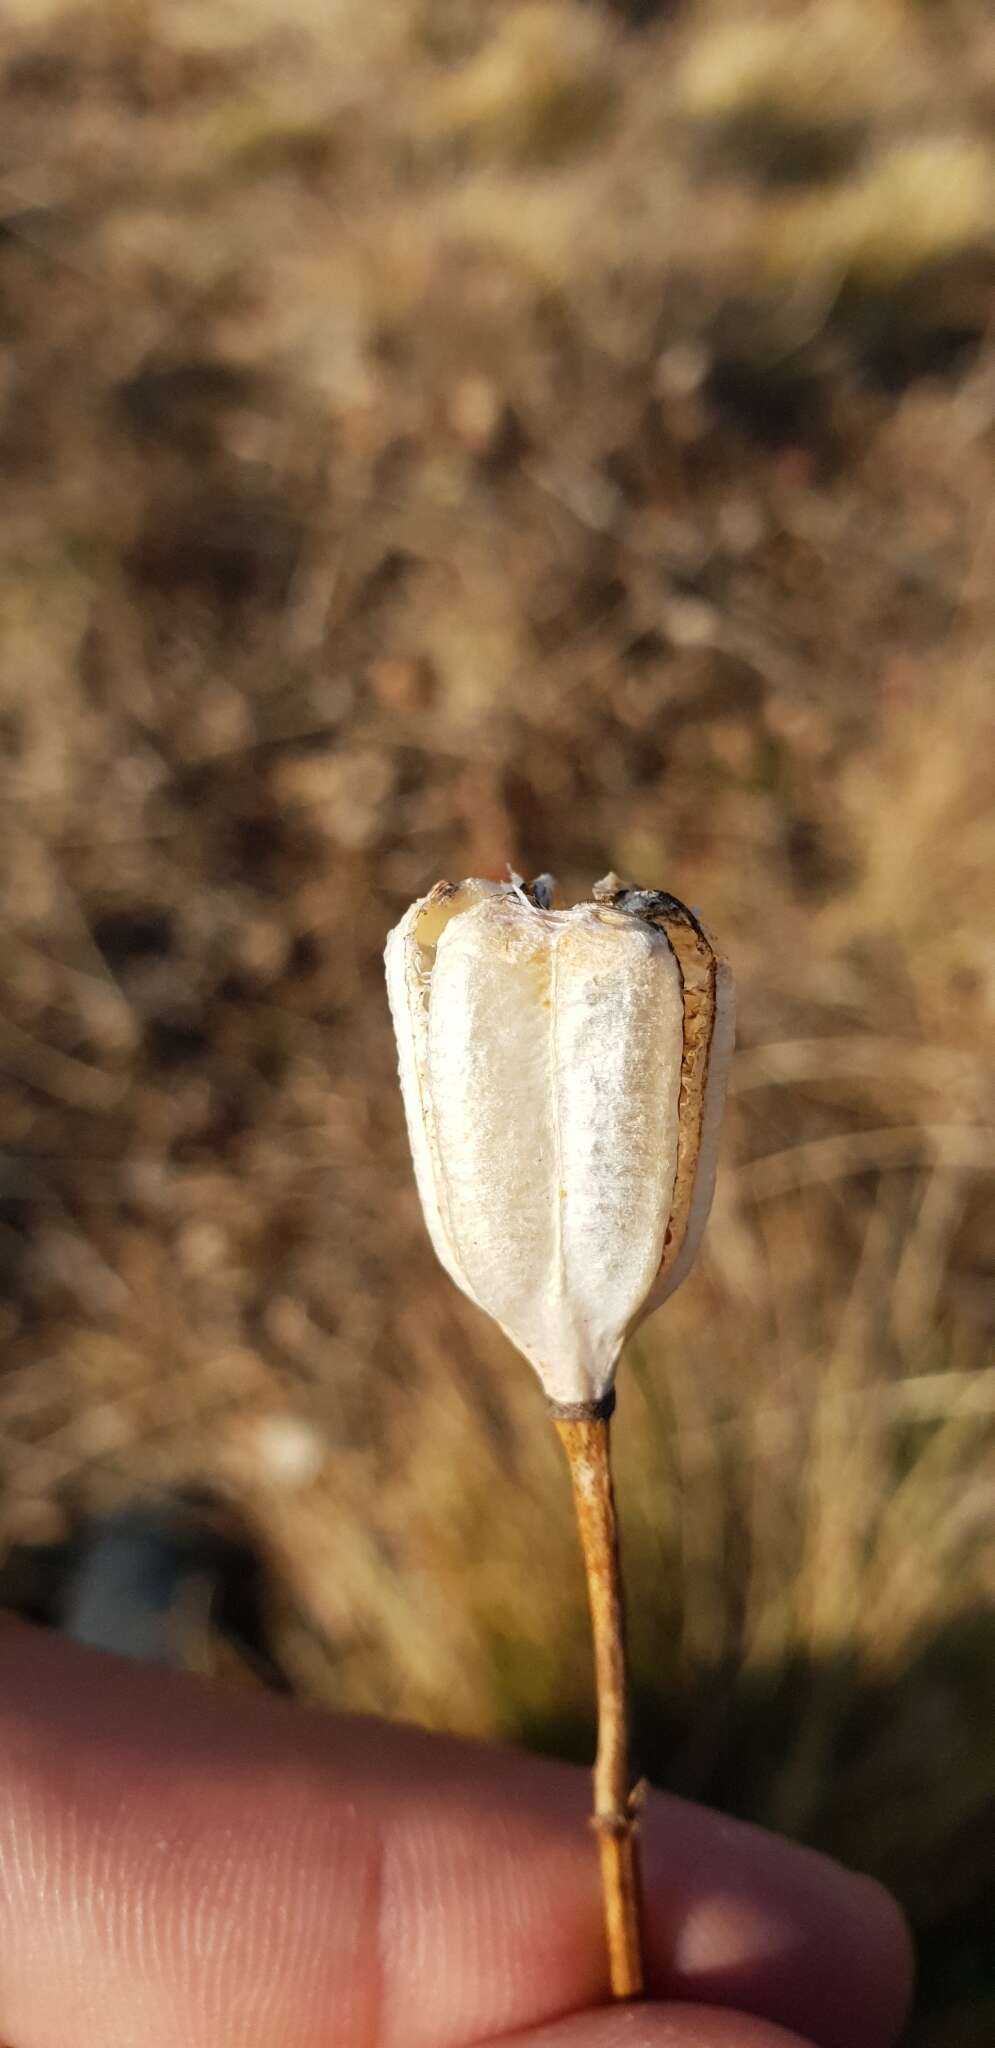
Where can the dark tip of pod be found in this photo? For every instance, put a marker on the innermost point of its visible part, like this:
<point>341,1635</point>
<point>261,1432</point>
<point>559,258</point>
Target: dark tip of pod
<point>543,891</point>
<point>651,903</point>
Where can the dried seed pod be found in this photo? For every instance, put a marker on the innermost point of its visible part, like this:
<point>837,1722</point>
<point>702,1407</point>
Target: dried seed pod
<point>563,1074</point>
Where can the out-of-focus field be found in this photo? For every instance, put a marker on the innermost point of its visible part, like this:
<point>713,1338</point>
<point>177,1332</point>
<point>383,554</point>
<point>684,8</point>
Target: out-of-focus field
<point>442,435</point>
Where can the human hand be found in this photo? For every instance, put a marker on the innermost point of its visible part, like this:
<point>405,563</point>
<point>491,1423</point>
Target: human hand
<point>187,1867</point>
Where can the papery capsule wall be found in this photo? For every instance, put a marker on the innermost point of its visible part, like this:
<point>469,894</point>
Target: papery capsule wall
<point>709,1035</point>
<point>557,1078</point>
<point>410,961</point>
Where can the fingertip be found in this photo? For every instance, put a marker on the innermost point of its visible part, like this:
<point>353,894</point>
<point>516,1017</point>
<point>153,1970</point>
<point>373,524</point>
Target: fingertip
<point>767,1926</point>
<point>888,1938</point>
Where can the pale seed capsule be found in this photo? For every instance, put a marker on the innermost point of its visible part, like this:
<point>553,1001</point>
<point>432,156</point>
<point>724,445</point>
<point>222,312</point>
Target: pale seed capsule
<point>563,1074</point>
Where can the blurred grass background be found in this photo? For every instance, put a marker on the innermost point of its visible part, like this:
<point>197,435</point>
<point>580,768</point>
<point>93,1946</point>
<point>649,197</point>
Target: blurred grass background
<point>440,435</point>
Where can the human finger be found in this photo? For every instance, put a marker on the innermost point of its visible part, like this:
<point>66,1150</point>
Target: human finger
<point>180,1863</point>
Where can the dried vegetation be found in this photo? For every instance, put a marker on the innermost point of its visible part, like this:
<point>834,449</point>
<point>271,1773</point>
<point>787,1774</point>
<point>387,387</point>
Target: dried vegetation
<point>435,436</point>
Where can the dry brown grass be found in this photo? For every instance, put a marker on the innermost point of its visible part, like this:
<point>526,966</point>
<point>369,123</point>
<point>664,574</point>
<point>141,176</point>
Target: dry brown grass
<point>443,436</point>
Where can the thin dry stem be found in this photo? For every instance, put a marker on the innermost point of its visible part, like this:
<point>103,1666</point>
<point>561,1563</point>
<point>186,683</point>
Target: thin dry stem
<point>587,1446</point>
